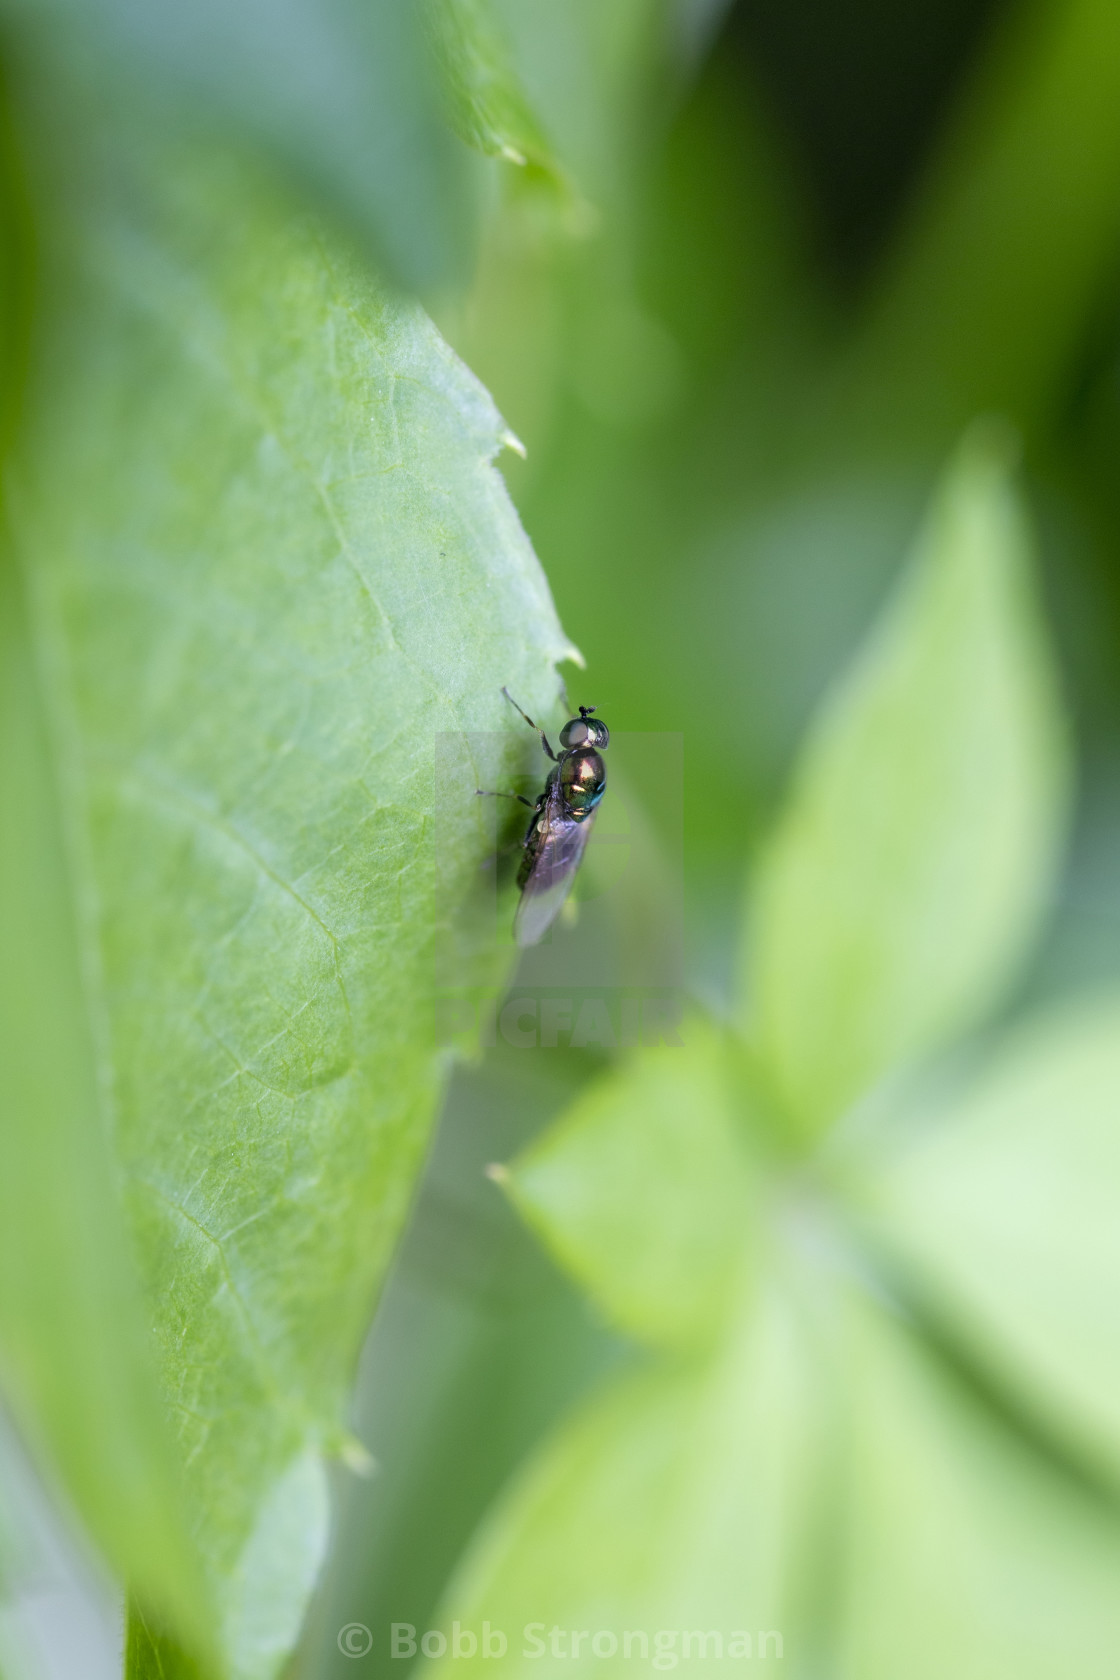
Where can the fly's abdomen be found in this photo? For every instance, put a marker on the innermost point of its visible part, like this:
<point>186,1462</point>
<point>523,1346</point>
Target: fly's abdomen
<point>529,853</point>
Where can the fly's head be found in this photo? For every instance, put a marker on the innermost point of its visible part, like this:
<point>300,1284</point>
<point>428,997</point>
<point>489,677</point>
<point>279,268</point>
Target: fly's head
<point>585,732</point>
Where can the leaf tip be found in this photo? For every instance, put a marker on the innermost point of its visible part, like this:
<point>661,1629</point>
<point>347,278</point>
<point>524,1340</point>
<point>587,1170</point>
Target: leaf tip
<point>356,1457</point>
<point>992,442</point>
<point>510,440</point>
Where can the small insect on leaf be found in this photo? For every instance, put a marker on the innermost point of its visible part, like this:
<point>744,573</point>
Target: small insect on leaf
<point>561,820</point>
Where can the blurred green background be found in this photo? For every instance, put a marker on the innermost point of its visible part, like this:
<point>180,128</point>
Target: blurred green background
<point>808,242</point>
<point>737,275</point>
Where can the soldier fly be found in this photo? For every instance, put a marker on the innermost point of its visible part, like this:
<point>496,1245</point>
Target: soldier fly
<point>561,820</point>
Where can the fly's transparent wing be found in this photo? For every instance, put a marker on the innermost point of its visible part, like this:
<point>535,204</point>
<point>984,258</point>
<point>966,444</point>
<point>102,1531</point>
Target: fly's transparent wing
<point>559,848</point>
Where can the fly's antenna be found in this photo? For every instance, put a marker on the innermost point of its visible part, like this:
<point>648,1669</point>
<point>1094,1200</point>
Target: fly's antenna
<point>586,711</point>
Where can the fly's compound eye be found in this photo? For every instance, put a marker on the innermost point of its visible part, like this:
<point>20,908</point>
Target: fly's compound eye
<point>598,734</point>
<point>577,733</point>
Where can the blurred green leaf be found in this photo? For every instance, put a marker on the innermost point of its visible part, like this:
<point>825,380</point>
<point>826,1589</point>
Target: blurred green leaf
<point>342,92</point>
<point>489,107</point>
<point>586,70</point>
<point>911,866</point>
<point>682,1498</point>
<point>1002,1206</point>
<point>1014,236</point>
<point>964,1552</point>
<point>271,562</point>
<point>645,1192</point>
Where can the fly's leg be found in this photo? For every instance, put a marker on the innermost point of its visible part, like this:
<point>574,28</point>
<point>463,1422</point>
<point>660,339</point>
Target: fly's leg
<point>532,725</point>
<point>488,793</point>
<point>516,845</point>
<point>501,853</point>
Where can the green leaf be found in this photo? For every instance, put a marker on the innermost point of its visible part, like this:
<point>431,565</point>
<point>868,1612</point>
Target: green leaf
<point>1002,1206</point>
<point>342,93</point>
<point>488,105</point>
<point>592,74</point>
<point>910,869</point>
<point>271,565</point>
<point>76,1370</point>
<point>820,1473</point>
<point>681,1499</point>
<point>646,1193</point>
<point>151,1654</point>
<point>965,1553</point>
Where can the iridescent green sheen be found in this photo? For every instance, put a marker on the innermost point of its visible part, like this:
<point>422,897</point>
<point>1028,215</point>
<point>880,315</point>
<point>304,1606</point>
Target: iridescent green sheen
<point>583,781</point>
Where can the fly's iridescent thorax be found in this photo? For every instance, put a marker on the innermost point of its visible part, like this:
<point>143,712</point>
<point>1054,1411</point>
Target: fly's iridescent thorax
<point>583,780</point>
